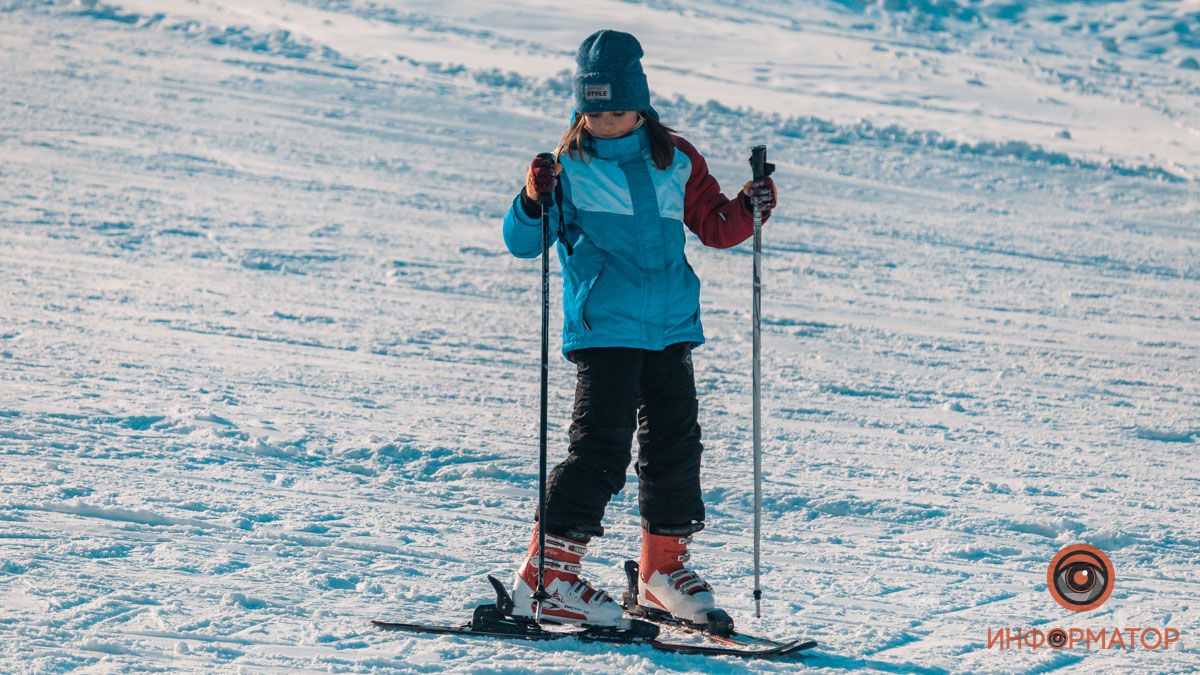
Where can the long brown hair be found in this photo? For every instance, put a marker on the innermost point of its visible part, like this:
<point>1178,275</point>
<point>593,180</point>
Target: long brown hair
<point>662,145</point>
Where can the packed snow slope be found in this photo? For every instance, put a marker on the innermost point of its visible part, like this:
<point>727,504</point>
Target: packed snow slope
<point>268,371</point>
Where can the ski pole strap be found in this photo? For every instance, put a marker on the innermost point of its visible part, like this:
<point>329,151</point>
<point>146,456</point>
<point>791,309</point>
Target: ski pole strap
<point>562,228</point>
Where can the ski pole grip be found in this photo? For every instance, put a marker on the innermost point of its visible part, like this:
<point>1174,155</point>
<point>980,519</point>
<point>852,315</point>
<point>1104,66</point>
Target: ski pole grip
<point>759,166</point>
<point>546,200</point>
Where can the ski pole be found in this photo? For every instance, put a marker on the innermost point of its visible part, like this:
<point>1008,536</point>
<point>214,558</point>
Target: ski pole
<point>760,169</point>
<point>540,596</point>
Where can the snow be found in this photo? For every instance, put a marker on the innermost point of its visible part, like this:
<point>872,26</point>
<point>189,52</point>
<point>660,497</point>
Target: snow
<point>269,372</point>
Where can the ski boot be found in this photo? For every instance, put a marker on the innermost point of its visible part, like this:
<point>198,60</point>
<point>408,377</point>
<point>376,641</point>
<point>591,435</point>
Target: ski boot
<point>665,586</point>
<point>572,598</point>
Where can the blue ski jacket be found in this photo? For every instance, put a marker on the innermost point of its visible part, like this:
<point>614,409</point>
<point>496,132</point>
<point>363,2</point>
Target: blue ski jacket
<point>626,280</point>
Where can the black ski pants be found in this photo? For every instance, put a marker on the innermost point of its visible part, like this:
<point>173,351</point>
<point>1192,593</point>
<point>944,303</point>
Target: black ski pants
<point>619,391</point>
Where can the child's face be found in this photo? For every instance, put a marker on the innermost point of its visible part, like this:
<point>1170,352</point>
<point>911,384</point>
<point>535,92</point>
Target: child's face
<point>610,124</point>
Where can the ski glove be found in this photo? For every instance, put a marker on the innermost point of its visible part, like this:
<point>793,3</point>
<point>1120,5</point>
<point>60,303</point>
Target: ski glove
<point>541,177</point>
<point>762,194</point>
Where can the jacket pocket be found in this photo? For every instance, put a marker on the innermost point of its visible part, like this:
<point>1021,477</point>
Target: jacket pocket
<point>681,306</point>
<point>580,273</point>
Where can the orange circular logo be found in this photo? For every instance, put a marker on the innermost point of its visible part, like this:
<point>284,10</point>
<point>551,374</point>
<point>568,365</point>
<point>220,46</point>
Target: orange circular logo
<point>1080,577</point>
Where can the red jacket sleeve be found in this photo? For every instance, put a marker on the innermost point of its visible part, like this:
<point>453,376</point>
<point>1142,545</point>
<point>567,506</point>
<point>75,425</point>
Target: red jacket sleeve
<point>720,222</point>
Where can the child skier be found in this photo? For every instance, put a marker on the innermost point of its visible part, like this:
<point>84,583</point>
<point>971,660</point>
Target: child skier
<point>625,187</point>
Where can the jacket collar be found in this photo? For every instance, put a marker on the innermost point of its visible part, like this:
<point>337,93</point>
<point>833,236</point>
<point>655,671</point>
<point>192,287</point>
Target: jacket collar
<point>629,146</point>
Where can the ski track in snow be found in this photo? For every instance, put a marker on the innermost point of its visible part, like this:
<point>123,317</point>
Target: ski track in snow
<point>269,371</point>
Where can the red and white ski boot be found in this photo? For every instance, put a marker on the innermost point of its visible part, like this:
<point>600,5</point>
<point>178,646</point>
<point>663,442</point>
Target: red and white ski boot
<point>572,598</point>
<point>666,585</point>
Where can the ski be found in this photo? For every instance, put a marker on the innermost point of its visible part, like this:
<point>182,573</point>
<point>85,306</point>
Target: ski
<point>589,635</point>
<point>719,630</point>
<point>523,630</point>
<point>496,621</point>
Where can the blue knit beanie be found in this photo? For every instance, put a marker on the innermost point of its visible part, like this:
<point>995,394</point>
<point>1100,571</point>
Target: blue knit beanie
<point>609,75</point>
